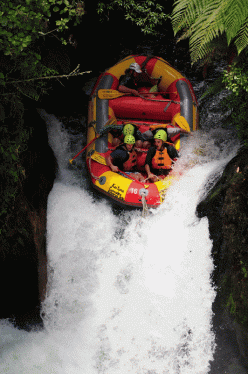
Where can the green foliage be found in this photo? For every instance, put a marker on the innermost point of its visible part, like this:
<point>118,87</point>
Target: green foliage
<point>11,170</point>
<point>231,304</point>
<point>146,14</point>
<point>236,81</point>
<point>234,291</point>
<point>20,27</point>
<point>23,74</point>
<point>244,269</point>
<point>205,21</point>
<point>23,23</point>
<point>237,108</point>
<point>213,26</point>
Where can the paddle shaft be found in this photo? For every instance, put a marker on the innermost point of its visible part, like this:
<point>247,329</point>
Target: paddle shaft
<point>108,123</point>
<point>79,153</point>
<point>109,94</point>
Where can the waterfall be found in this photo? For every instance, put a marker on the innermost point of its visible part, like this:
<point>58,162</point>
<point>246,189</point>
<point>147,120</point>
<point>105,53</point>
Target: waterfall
<point>125,294</point>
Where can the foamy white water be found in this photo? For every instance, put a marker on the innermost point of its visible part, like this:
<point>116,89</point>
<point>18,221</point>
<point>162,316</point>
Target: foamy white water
<point>125,294</point>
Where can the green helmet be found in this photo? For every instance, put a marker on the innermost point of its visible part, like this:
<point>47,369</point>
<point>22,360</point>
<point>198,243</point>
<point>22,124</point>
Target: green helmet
<point>161,134</point>
<point>129,139</point>
<point>128,129</point>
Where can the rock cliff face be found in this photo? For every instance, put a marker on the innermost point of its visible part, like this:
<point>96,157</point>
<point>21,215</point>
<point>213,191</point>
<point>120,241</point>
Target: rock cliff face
<point>23,265</point>
<point>226,207</point>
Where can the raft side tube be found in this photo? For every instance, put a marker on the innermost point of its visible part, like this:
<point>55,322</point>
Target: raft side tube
<point>127,191</point>
<point>186,106</point>
<point>102,108</point>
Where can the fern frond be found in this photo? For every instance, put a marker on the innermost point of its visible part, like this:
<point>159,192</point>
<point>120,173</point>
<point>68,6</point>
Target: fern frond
<point>184,14</point>
<point>201,52</point>
<point>209,21</point>
<point>203,21</point>
<point>178,18</point>
<point>241,41</point>
<point>236,12</point>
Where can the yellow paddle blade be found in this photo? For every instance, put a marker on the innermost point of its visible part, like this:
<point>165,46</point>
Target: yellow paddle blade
<point>181,121</point>
<point>109,94</point>
<point>98,158</point>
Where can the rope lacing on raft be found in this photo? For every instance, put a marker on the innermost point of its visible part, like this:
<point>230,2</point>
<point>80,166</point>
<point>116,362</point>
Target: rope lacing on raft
<point>144,204</point>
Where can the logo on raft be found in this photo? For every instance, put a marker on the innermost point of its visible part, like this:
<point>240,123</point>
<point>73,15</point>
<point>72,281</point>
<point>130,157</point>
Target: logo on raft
<point>116,191</point>
<point>162,194</point>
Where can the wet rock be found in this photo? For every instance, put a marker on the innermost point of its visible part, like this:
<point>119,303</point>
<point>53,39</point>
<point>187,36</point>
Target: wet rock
<point>235,368</point>
<point>226,207</point>
<point>23,271</point>
<point>242,338</point>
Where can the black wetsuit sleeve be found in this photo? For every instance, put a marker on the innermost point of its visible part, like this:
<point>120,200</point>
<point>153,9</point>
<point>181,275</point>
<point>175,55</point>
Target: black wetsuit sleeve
<point>172,152</point>
<point>150,154</point>
<point>127,81</point>
<point>119,156</point>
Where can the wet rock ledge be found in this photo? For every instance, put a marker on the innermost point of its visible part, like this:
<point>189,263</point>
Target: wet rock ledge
<point>23,270</point>
<point>226,207</point>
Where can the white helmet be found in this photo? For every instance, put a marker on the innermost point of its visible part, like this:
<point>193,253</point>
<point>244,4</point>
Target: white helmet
<point>134,66</point>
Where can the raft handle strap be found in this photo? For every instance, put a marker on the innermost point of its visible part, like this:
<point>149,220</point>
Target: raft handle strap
<point>167,106</point>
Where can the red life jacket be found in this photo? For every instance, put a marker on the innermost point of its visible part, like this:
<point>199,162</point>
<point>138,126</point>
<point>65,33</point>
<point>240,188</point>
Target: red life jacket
<point>161,160</point>
<point>131,162</point>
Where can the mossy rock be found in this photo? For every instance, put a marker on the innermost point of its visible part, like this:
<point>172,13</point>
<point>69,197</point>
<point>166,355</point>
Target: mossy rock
<point>226,206</point>
<point>232,175</point>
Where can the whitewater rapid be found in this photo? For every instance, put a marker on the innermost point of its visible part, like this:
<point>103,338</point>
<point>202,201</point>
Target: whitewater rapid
<point>125,294</point>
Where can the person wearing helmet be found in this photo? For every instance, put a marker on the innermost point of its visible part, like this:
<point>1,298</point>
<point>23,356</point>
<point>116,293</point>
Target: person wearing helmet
<point>128,83</point>
<point>118,135</point>
<point>144,138</point>
<point>128,129</point>
<point>124,158</point>
<point>160,157</point>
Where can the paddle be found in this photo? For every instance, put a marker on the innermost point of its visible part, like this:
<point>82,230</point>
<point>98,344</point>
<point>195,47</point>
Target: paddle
<point>113,94</point>
<point>107,94</point>
<point>108,123</point>
<point>182,122</point>
<point>79,153</point>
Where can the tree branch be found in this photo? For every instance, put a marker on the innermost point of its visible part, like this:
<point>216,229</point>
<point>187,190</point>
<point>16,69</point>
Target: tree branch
<point>74,73</point>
